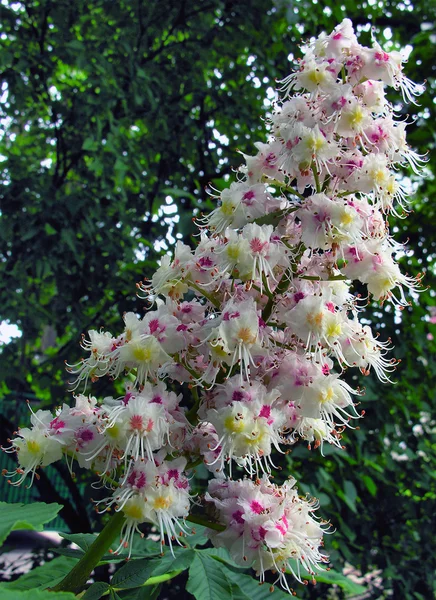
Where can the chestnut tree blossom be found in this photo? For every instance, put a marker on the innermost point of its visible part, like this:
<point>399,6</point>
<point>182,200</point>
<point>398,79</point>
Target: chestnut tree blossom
<point>256,325</point>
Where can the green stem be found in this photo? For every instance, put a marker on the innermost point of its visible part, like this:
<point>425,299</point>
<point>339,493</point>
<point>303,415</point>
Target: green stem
<point>79,574</point>
<point>161,578</point>
<point>316,177</point>
<point>280,289</point>
<point>152,581</point>
<point>283,284</point>
<point>330,278</point>
<point>194,463</point>
<point>208,296</point>
<point>344,75</point>
<point>284,186</point>
<point>343,194</point>
<point>191,415</point>
<point>202,521</point>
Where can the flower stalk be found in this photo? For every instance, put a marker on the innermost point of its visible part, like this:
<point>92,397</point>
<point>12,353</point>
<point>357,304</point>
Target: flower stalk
<point>76,579</point>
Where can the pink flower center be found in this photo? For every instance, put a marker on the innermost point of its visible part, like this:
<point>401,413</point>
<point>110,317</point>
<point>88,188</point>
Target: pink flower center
<point>56,424</point>
<point>237,516</point>
<point>256,245</point>
<point>330,306</point>
<point>265,412</point>
<point>154,326</point>
<point>86,435</point>
<point>269,159</point>
<point>173,474</point>
<point>205,262</point>
<point>137,480</point>
<point>256,507</point>
<point>136,422</point>
<point>381,56</point>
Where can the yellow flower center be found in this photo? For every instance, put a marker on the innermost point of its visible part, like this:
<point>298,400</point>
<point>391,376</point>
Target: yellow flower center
<point>255,438</point>
<point>133,511</point>
<point>334,330</point>
<point>234,425</point>
<point>227,208</point>
<point>246,336</point>
<point>33,447</point>
<point>233,251</point>
<point>316,76</point>
<point>142,354</point>
<point>113,431</point>
<point>356,117</point>
<point>346,218</point>
<point>327,395</point>
<point>162,502</point>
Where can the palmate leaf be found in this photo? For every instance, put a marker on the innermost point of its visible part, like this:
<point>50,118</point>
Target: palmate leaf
<point>136,572</point>
<point>96,591</point>
<point>25,516</point>
<point>208,580</point>
<point>251,588</point>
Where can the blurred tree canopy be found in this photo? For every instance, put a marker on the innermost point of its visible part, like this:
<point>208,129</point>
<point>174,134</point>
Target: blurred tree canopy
<point>116,116</point>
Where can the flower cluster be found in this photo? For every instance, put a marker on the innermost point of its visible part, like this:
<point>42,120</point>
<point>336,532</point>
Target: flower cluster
<point>266,526</point>
<point>256,325</point>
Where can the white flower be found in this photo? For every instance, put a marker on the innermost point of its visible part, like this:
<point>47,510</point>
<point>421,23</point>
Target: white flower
<point>143,353</point>
<point>238,334</point>
<point>35,448</point>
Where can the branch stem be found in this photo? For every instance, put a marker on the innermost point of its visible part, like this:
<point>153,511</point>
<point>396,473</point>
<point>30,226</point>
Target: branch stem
<point>316,177</point>
<point>79,574</point>
<point>202,521</point>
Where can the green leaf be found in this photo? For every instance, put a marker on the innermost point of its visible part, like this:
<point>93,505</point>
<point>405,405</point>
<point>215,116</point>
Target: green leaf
<point>136,572</point>
<point>371,486</point>
<point>198,538</point>
<point>349,495</point>
<point>208,580</point>
<point>252,589</point>
<point>90,144</point>
<point>222,555</point>
<point>83,540</point>
<point>133,574</point>
<point>49,230</point>
<point>46,575</point>
<point>273,218</point>
<point>96,590</point>
<point>141,593</point>
<point>333,577</point>
<point>36,595</point>
<point>181,561</point>
<point>350,490</point>
<point>25,516</point>
<point>29,234</point>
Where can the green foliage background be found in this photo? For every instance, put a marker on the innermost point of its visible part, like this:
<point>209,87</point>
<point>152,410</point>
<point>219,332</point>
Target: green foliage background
<point>116,116</point>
